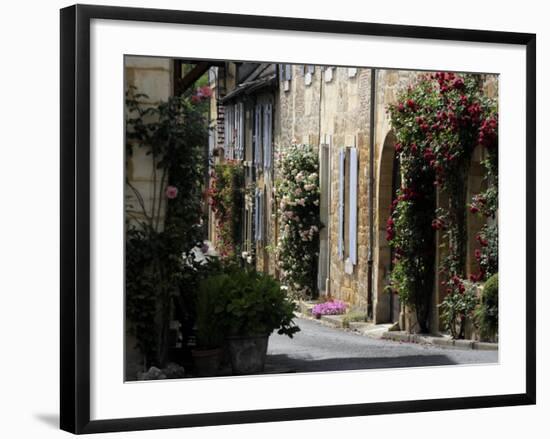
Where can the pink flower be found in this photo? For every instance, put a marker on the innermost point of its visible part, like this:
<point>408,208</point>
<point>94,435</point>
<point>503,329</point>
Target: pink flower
<point>171,192</point>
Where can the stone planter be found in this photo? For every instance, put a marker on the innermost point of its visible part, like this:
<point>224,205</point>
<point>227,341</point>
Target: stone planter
<point>207,362</point>
<point>247,353</point>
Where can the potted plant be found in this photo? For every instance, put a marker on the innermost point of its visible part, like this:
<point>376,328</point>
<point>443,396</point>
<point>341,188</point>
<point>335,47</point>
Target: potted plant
<point>250,306</point>
<point>207,355</point>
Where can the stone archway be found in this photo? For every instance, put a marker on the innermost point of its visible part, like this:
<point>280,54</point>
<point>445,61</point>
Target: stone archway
<point>386,305</point>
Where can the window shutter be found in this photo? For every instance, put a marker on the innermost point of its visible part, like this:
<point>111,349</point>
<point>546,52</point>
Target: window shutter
<point>240,152</point>
<point>226,128</point>
<point>353,206</point>
<point>288,72</point>
<point>341,183</point>
<point>311,69</point>
<point>261,217</point>
<point>256,215</point>
<point>257,133</point>
<point>268,130</point>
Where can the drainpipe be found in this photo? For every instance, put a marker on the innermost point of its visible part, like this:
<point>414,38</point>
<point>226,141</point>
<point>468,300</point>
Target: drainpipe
<point>370,280</point>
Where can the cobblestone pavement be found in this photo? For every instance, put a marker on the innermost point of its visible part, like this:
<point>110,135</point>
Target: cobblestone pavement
<point>320,348</point>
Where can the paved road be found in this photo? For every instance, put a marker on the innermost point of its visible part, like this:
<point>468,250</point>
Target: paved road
<point>320,348</point>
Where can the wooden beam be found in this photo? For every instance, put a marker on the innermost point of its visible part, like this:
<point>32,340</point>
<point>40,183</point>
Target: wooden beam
<point>183,84</point>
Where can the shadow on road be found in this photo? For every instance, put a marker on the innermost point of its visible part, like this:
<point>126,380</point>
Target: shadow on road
<point>288,364</point>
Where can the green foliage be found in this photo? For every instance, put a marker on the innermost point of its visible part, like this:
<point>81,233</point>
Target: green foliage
<point>250,303</point>
<point>227,200</point>
<point>438,122</point>
<point>298,246</point>
<point>457,306</point>
<point>209,330</point>
<point>487,312</point>
<point>161,234</point>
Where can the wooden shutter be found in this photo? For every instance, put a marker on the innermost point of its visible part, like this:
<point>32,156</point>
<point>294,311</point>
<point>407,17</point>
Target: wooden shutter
<point>353,206</point>
<point>341,183</point>
<point>310,69</point>
<point>256,215</point>
<point>288,72</point>
<point>240,143</point>
<point>257,134</point>
<point>267,135</point>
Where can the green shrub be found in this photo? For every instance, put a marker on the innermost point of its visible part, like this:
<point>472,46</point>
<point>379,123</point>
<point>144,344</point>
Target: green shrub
<point>250,303</point>
<point>487,312</point>
<point>209,331</point>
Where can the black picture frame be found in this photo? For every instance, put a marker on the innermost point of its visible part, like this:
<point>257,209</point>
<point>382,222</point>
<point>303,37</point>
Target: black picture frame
<point>75,217</point>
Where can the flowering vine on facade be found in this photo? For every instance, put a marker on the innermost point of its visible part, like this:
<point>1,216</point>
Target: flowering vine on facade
<point>298,246</point>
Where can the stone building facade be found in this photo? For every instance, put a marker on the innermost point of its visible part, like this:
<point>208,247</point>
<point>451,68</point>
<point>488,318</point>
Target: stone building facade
<point>257,110</point>
<point>342,112</point>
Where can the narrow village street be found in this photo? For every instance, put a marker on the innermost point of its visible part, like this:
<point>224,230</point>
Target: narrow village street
<point>320,348</point>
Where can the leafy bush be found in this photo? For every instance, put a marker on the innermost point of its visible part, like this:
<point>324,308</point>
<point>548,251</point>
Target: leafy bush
<point>162,233</point>
<point>209,331</point>
<point>330,307</point>
<point>227,202</point>
<point>457,306</point>
<point>250,303</point>
<point>487,312</point>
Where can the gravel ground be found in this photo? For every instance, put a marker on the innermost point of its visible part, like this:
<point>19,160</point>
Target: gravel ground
<point>320,348</point>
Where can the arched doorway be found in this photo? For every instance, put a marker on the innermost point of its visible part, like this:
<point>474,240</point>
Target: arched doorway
<point>386,304</point>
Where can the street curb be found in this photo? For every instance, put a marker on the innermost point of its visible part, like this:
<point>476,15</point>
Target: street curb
<point>336,322</point>
<point>404,337</point>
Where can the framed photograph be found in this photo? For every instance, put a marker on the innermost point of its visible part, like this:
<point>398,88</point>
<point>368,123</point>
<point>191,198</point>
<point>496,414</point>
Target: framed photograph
<point>273,218</point>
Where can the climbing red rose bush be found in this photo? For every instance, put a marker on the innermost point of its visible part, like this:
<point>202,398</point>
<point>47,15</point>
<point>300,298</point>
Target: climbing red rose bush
<point>297,191</point>
<point>438,123</point>
<point>226,198</point>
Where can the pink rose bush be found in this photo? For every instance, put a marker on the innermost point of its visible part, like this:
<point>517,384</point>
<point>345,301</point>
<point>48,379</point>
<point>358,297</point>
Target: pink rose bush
<point>298,245</point>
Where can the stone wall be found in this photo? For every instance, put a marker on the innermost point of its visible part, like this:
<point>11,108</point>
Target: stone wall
<point>153,77</point>
<point>333,108</point>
